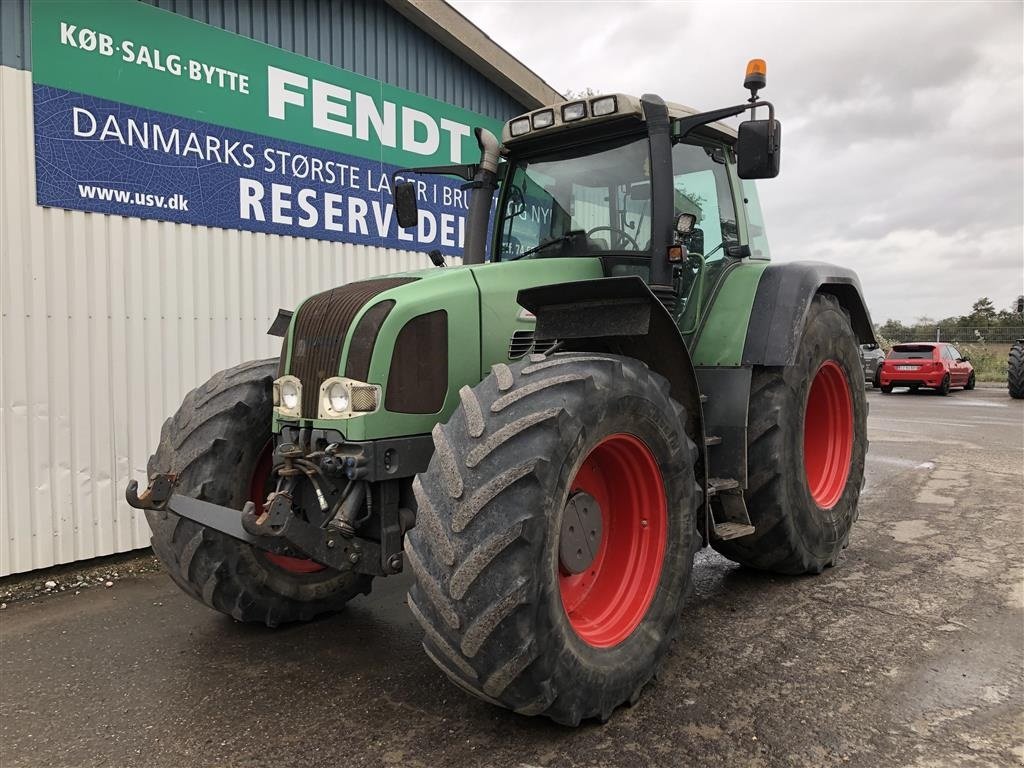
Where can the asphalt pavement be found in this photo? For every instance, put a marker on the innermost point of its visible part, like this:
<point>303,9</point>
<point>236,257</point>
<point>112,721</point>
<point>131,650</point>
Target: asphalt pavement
<point>910,653</point>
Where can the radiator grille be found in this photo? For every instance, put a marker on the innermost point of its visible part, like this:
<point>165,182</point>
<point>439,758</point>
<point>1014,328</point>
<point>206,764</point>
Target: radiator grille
<point>418,379</point>
<point>320,330</point>
<point>364,338</point>
<point>523,342</point>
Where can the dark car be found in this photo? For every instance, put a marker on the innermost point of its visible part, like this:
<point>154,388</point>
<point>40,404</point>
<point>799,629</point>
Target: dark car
<point>926,364</point>
<point>871,358</point>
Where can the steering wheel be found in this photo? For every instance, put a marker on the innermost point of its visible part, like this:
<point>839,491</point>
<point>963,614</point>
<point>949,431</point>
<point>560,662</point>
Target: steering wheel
<point>616,231</point>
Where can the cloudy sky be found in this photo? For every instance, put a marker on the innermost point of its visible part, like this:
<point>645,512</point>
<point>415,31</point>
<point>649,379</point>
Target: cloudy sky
<point>903,154</point>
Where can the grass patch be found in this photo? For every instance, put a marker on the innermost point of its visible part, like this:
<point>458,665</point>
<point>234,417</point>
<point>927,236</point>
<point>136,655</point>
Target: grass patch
<point>989,360</point>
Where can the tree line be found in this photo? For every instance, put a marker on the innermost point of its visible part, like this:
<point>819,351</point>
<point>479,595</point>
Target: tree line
<point>983,314</point>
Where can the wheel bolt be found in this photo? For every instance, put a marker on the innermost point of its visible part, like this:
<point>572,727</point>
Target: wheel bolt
<point>643,523</point>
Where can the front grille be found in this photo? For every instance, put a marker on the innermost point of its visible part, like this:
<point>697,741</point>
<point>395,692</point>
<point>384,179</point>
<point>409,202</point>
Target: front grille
<point>364,339</point>
<point>523,342</point>
<point>418,379</point>
<point>320,329</point>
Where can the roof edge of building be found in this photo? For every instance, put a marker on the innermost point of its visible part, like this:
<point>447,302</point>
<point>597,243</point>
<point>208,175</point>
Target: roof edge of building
<point>471,44</point>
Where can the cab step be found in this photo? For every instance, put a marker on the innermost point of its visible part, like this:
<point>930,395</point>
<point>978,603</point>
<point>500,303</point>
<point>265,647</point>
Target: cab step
<point>726,531</point>
<point>718,485</point>
<point>729,517</point>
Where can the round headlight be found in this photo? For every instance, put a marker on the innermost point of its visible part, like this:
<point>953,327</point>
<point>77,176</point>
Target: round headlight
<point>289,395</point>
<point>337,395</point>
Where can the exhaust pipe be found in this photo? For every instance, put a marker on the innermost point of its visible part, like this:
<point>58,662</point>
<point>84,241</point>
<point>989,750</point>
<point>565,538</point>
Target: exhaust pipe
<point>483,185</point>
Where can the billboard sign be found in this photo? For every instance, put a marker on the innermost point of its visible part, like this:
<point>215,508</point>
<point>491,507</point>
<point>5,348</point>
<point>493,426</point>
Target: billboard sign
<point>142,112</point>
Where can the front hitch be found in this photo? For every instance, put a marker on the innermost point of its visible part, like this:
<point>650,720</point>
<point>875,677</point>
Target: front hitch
<point>277,529</point>
<point>155,496</point>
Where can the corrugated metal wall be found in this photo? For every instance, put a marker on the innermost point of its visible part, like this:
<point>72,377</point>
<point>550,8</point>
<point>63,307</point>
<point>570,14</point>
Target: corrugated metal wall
<point>108,321</point>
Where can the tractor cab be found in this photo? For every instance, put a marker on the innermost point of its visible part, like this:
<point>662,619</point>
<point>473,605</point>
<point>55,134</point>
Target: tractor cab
<point>580,184</point>
<point>654,189</point>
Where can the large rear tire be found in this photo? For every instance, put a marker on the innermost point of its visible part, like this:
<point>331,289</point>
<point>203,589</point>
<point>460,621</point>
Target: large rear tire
<point>521,605</point>
<point>217,445</point>
<point>1015,371</point>
<point>806,445</point>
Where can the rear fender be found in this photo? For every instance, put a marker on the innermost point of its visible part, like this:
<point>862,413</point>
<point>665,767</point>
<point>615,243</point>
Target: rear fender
<point>784,296</point>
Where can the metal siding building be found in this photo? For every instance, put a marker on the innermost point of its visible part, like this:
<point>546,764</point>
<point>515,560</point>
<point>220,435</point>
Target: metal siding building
<point>108,321</point>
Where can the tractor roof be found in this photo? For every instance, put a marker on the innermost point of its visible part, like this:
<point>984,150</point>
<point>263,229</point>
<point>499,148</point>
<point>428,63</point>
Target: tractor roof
<point>594,109</point>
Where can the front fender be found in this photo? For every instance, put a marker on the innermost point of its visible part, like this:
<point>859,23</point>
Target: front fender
<point>620,315</point>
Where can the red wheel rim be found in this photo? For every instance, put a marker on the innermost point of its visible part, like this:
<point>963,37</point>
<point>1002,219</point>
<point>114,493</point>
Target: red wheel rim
<point>258,494</point>
<point>828,435</point>
<point>608,600</point>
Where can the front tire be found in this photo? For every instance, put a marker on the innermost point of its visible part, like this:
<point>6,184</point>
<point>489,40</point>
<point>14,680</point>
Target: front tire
<point>217,445</point>
<point>970,382</point>
<point>508,612</point>
<point>806,445</point>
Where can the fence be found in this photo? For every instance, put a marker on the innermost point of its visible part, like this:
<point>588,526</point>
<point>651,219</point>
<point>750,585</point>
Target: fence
<point>958,335</point>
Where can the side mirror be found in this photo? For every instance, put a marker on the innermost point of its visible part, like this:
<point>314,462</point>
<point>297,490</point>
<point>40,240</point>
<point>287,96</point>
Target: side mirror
<point>965,359</point>
<point>405,204</point>
<point>758,149</point>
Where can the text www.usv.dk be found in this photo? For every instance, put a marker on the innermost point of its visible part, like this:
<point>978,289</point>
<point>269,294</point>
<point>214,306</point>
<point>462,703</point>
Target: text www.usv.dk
<point>176,202</point>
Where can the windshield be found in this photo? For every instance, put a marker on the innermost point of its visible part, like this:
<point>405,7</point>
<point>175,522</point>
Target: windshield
<point>578,201</point>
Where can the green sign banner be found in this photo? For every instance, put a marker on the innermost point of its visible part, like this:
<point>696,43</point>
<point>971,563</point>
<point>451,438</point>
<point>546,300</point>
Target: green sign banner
<point>290,144</point>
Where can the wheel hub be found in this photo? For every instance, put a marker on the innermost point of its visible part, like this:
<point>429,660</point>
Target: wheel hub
<point>828,435</point>
<point>608,579</point>
<point>580,538</point>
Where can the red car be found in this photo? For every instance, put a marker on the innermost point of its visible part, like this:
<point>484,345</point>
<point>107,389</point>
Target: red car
<point>926,364</point>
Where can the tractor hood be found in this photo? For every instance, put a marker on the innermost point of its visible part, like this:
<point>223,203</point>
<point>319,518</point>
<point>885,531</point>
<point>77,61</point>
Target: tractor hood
<point>419,336</point>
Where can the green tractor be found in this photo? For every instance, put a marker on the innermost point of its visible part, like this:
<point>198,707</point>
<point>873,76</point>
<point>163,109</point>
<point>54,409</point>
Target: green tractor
<point>615,376</point>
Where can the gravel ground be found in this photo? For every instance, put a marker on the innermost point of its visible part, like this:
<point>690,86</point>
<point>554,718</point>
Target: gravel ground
<point>910,653</point>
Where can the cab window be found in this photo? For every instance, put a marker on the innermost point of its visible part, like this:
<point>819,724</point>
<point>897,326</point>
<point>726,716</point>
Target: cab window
<point>579,201</point>
<point>701,184</point>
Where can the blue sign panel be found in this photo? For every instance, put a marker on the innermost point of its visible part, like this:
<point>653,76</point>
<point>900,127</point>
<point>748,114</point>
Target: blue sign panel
<point>108,157</point>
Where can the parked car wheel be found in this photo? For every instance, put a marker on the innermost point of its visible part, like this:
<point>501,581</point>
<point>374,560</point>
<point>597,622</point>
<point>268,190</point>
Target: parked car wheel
<point>943,389</point>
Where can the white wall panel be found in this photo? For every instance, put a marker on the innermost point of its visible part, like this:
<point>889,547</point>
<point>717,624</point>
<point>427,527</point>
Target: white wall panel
<point>106,323</point>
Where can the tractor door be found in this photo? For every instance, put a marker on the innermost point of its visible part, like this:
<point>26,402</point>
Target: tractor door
<point>702,186</point>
